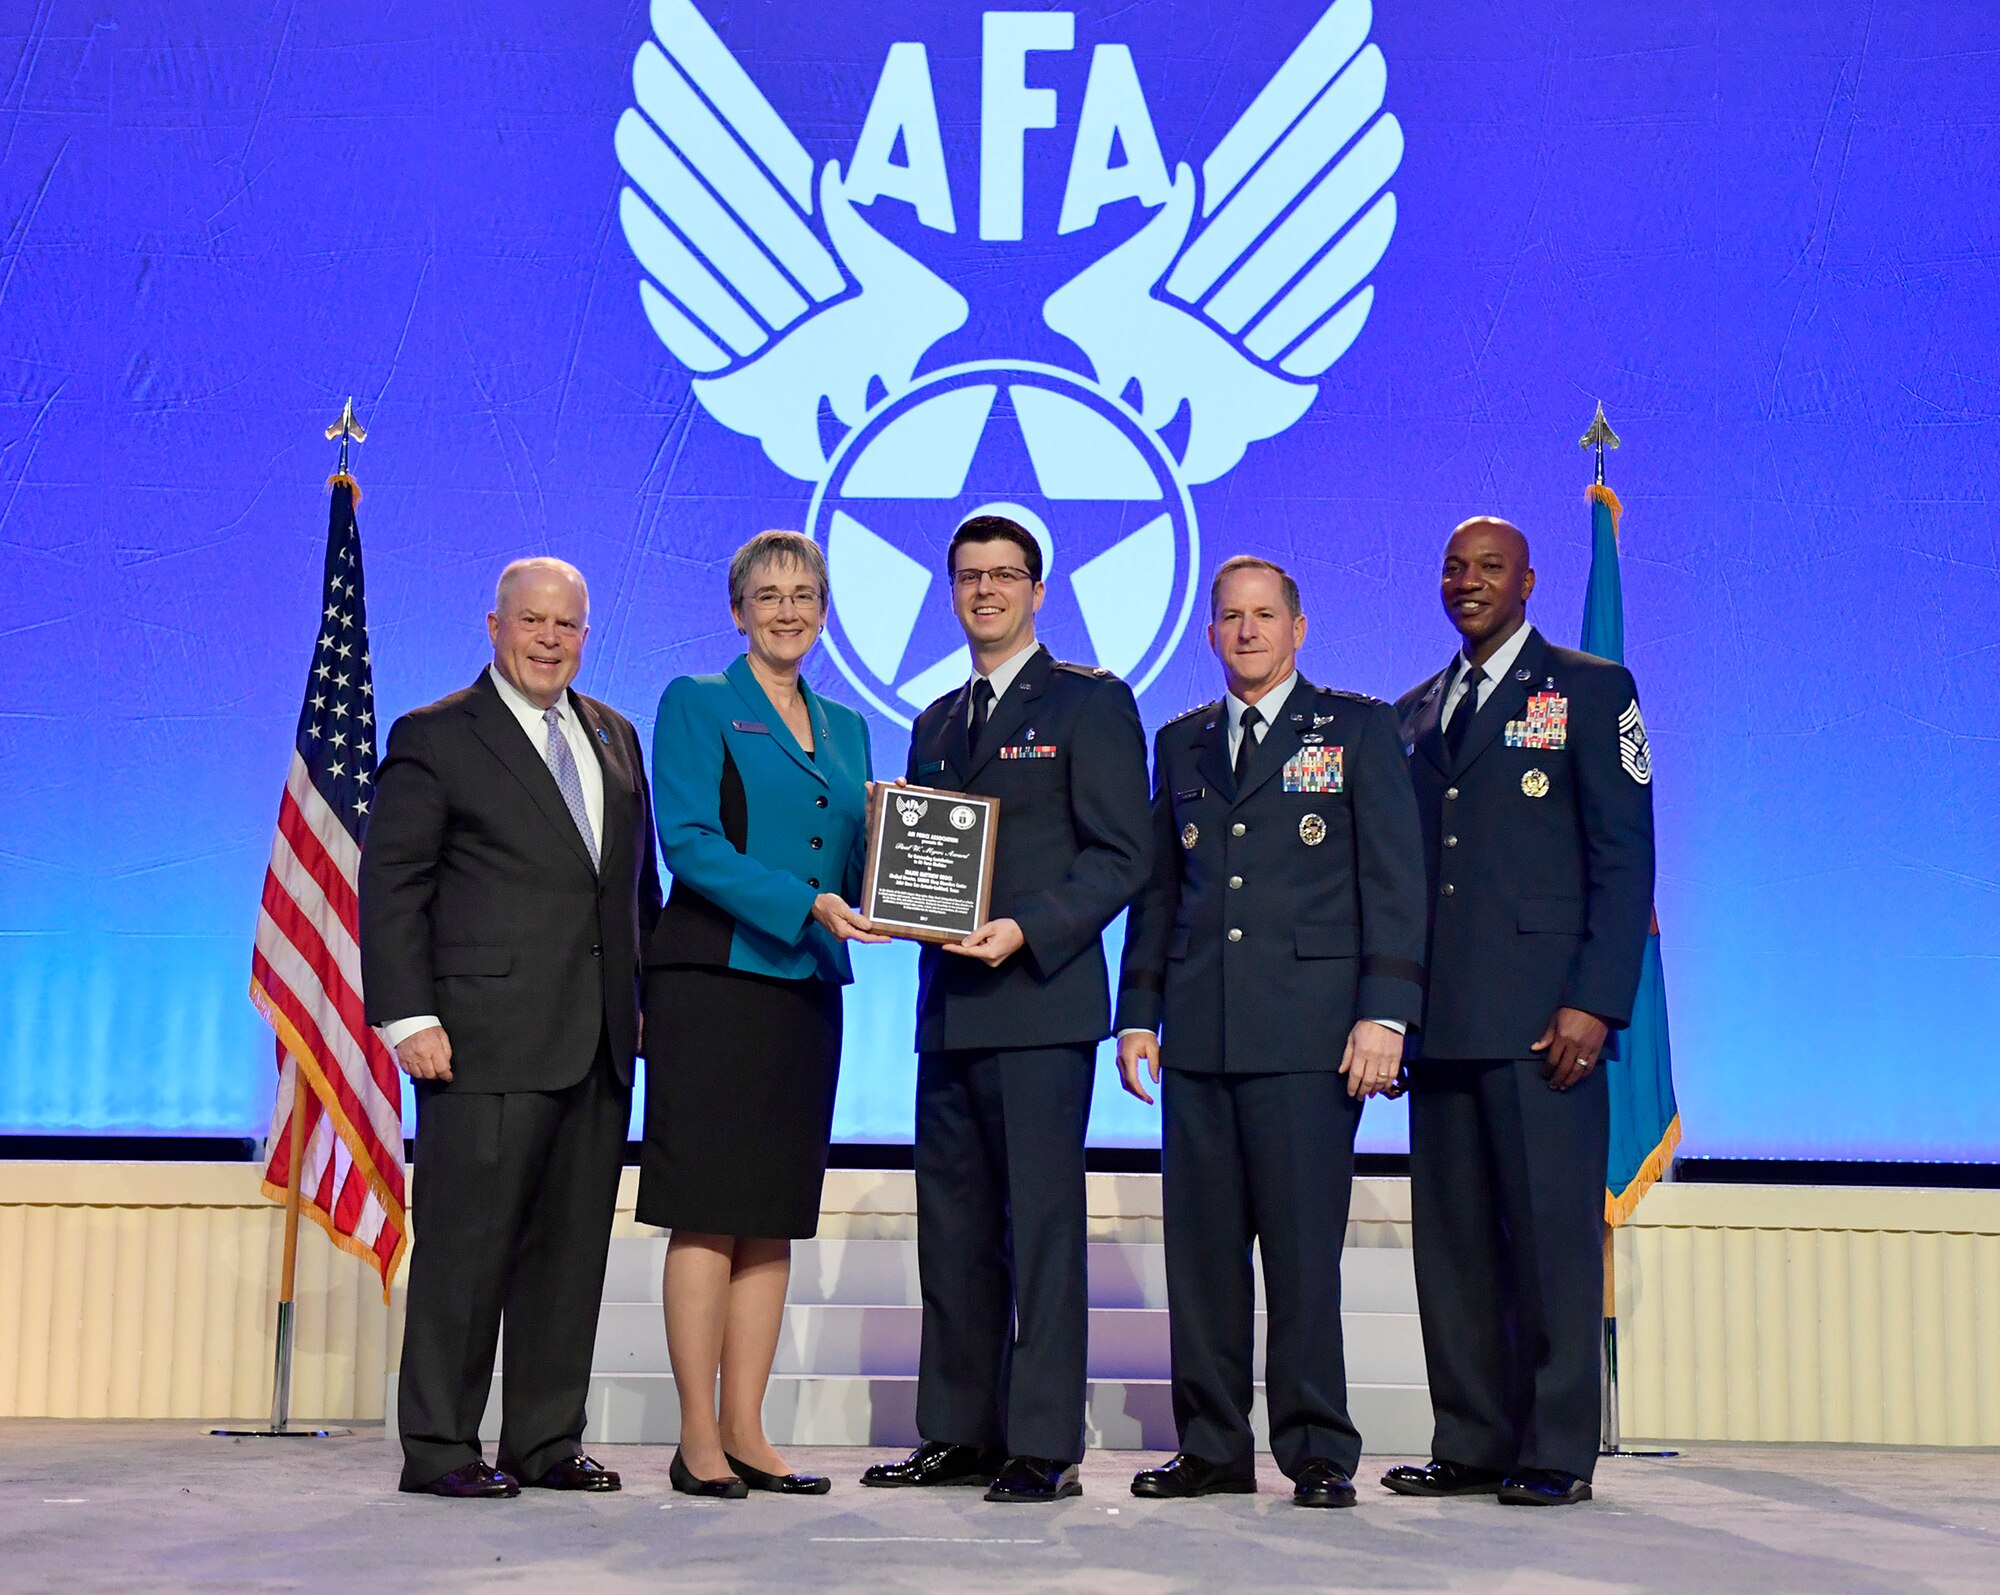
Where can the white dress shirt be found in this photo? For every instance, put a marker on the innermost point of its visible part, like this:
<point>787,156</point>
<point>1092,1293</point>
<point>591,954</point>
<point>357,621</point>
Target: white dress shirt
<point>1002,675</point>
<point>1271,703</point>
<point>588,770</point>
<point>1497,669</point>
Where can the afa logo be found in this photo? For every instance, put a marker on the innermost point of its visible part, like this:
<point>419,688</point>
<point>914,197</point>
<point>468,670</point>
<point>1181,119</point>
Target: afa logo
<point>1200,334</point>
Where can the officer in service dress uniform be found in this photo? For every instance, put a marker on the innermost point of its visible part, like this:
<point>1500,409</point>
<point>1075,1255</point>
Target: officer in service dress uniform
<point>1008,1022</point>
<point>1533,777</point>
<point>1272,965</point>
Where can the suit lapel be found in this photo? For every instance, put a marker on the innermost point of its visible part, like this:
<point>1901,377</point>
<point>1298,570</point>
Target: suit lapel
<point>1280,742</point>
<point>1427,729</point>
<point>765,713</point>
<point>1012,712</point>
<point>1211,751</point>
<point>620,789</point>
<point>1507,701</point>
<point>496,726</point>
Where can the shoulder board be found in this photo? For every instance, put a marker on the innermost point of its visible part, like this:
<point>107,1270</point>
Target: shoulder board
<point>1353,697</point>
<point>1097,672</point>
<point>1198,709</point>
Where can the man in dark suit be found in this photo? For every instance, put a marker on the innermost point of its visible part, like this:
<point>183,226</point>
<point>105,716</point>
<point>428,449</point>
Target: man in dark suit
<point>1273,964</point>
<point>1008,1022</point>
<point>1533,778</point>
<point>506,888</point>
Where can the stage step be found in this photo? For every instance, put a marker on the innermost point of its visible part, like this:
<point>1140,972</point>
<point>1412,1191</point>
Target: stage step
<point>847,1356</point>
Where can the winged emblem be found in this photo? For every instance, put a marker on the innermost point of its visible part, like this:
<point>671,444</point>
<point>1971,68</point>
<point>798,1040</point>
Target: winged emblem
<point>1248,282</point>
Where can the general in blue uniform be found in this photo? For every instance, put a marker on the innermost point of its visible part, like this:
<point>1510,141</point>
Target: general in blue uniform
<point>1533,777</point>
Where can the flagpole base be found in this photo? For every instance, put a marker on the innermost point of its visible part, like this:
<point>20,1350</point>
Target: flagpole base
<point>1634,1453</point>
<point>268,1433</point>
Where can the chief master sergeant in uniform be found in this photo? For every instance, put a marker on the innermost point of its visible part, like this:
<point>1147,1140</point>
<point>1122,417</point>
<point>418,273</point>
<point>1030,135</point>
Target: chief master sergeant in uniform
<point>1275,950</point>
<point>1533,777</point>
<point>1008,1022</point>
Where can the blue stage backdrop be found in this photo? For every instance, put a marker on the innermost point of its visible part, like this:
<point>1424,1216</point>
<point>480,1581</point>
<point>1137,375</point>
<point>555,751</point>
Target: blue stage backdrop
<point>1178,279</point>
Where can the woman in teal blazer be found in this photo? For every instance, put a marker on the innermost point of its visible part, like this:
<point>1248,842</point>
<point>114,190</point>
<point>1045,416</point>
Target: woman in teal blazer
<point>760,790</point>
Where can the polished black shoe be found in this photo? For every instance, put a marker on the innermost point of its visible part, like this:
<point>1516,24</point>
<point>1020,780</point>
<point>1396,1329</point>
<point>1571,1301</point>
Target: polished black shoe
<point>1187,1476</point>
<point>933,1464</point>
<point>1322,1484</point>
<point>1035,1479</point>
<point>576,1473</point>
<point>1543,1487</point>
<point>473,1482</point>
<point>683,1480</point>
<point>778,1483</point>
<point>1442,1478</point>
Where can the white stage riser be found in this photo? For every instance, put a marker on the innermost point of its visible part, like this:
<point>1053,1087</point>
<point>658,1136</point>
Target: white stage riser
<point>1119,1415</point>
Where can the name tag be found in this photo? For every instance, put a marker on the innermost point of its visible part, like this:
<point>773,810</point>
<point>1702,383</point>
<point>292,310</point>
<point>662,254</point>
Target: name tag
<point>1547,724</point>
<point>1191,794</point>
<point>1030,750</point>
<point>1315,770</point>
<point>931,768</point>
<point>751,725</point>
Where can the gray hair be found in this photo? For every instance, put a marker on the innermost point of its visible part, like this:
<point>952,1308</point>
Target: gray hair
<point>776,548</point>
<point>513,575</point>
<point>1229,567</point>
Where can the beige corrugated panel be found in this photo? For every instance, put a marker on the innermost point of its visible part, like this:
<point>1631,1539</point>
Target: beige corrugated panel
<point>1811,1313</point>
<point>149,1291</point>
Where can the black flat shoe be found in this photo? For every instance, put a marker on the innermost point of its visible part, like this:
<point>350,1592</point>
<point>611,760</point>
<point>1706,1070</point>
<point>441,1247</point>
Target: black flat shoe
<point>1038,1480</point>
<point>1543,1487</point>
<point>778,1483</point>
<point>934,1464</point>
<point>1442,1478</point>
<point>1188,1476</point>
<point>1322,1484</point>
<point>678,1475</point>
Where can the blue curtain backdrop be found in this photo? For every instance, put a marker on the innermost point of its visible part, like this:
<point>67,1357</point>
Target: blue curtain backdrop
<point>1762,233</point>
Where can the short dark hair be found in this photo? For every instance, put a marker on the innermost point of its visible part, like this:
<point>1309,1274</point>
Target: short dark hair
<point>1229,567</point>
<point>995,529</point>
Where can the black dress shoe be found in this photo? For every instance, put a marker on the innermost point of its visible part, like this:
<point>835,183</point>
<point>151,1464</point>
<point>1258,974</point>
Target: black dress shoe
<point>1036,1479</point>
<point>934,1463</point>
<point>683,1480</point>
<point>576,1473</point>
<point>473,1482</point>
<point>1322,1484</point>
<point>1187,1476</point>
<point>1543,1487</point>
<point>778,1483</point>
<point>1442,1478</point>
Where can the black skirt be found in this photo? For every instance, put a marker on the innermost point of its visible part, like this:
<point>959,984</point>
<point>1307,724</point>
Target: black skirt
<point>740,1076</point>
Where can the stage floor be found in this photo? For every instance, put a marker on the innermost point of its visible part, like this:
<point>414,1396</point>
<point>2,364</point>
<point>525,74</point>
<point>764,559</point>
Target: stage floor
<point>160,1506</point>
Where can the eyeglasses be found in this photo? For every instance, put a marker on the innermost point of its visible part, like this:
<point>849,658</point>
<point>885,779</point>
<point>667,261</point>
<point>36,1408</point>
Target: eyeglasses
<point>769,603</point>
<point>999,575</point>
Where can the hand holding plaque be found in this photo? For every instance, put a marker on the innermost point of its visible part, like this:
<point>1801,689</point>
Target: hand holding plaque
<point>929,875</point>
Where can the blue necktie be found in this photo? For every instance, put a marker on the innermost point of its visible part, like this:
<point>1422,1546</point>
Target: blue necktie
<point>562,765</point>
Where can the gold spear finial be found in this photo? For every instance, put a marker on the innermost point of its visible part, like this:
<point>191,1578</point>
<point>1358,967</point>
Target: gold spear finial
<point>348,427</point>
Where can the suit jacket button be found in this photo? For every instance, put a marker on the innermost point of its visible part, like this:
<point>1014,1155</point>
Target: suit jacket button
<point>1451,841</point>
<point>813,882</point>
<point>596,950</point>
<point>816,844</point>
<point>819,802</point>
<point>1235,934</point>
<point>1448,888</point>
<point>1451,791</point>
<point>1237,829</point>
<point>1236,883</point>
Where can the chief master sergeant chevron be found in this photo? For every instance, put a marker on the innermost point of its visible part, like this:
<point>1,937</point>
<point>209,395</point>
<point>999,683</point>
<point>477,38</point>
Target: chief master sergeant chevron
<point>1276,952</point>
<point>1008,1023</point>
<point>1534,782</point>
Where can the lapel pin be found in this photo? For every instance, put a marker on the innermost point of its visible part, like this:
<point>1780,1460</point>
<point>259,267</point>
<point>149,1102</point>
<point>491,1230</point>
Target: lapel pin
<point>604,736</point>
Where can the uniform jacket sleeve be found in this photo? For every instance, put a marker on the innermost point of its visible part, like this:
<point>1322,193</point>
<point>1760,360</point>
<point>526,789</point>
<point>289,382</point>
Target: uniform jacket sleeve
<point>687,806</point>
<point>1389,875</point>
<point>1617,818</point>
<point>399,868</point>
<point>1142,977</point>
<point>1109,812</point>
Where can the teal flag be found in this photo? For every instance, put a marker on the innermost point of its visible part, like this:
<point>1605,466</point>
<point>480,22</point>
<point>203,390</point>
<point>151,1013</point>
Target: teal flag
<point>1645,1122</point>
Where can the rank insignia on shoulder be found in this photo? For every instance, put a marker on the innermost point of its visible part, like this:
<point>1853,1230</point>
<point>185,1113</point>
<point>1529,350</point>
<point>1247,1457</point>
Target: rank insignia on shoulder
<point>1547,724</point>
<point>1190,834</point>
<point>1030,750</point>
<point>1315,769</point>
<point>1535,783</point>
<point>1635,754</point>
<point>1312,830</point>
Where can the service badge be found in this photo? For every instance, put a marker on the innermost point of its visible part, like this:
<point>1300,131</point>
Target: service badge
<point>1312,830</point>
<point>1190,834</point>
<point>1535,784</point>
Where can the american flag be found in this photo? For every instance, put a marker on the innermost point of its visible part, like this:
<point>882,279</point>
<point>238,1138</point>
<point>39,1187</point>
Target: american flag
<point>306,971</point>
